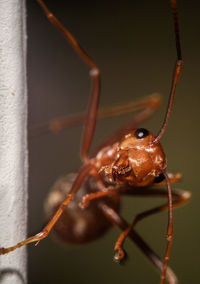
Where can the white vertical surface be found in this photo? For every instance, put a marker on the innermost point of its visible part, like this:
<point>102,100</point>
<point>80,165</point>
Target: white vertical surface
<point>13,145</point>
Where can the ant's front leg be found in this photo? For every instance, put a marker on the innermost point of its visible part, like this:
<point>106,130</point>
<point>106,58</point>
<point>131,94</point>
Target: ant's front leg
<point>81,177</point>
<point>113,190</point>
<point>117,220</point>
<point>109,192</point>
<point>101,191</point>
<point>179,198</point>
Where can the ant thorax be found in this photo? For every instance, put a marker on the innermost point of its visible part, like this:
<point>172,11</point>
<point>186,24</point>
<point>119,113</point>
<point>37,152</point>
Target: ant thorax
<point>137,159</point>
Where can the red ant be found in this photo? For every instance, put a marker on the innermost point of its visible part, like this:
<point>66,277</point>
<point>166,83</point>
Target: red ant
<point>129,162</point>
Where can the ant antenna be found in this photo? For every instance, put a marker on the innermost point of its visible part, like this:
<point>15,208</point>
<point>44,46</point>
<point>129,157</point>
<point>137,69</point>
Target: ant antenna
<point>176,73</point>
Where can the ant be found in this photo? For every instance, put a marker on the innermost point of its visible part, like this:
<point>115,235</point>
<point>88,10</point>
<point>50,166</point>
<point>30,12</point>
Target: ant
<point>82,206</point>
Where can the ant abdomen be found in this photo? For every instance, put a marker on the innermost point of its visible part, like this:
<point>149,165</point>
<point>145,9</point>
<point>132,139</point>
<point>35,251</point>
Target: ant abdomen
<point>77,225</point>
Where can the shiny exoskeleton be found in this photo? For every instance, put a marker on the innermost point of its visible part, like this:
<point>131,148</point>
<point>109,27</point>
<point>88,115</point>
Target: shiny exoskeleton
<point>82,206</point>
<point>136,159</point>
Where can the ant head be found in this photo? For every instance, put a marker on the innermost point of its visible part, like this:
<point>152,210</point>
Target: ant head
<point>140,159</point>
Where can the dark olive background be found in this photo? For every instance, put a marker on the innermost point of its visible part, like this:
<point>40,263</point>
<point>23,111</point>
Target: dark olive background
<point>133,44</point>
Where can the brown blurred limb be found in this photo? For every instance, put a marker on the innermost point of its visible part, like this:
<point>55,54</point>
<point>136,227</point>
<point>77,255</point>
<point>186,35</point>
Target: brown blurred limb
<point>91,116</point>
<point>59,124</point>
<point>117,220</point>
<point>146,107</point>
<point>90,121</point>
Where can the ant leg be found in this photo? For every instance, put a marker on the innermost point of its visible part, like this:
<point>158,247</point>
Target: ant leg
<point>113,190</point>
<point>90,121</point>
<point>101,191</point>
<point>59,124</point>
<point>148,106</point>
<point>117,220</point>
<point>180,198</point>
<point>81,177</point>
<point>170,228</point>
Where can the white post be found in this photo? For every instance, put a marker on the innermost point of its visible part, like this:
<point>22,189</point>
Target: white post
<point>13,144</point>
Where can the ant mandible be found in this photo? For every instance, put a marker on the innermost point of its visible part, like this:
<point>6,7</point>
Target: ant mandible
<point>128,162</point>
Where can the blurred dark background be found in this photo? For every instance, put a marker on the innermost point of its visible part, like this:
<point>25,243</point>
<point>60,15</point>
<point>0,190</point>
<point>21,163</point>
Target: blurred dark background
<point>133,44</point>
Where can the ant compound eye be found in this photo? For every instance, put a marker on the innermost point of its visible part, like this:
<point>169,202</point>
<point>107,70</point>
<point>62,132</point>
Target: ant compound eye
<point>159,178</point>
<point>141,133</point>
